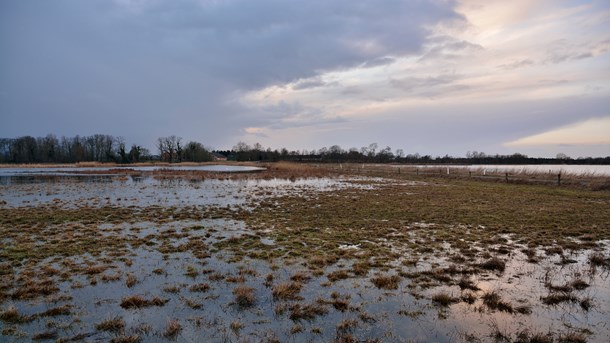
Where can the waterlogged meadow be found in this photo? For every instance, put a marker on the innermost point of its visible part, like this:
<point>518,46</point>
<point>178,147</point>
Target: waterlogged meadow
<point>294,253</point>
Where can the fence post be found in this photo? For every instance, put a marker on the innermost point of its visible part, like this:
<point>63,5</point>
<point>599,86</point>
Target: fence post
<point>417,171</point>
<point>559,179</point>
<point>398,170</point>
<point>469,174</point>
<point>506,177</point>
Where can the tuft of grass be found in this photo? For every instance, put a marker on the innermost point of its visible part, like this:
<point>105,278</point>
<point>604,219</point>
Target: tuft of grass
<point>115,324</point>
<point>33,289</point>
<point>444,299</point>
<point>200,287</point>
<point>346,325</point>
<point>191,271</point>
<point>599,260</point>
<point>557,298</point>
<point>494,264</point>
<point>338,275</point>
<point>579,284</point>
<point>586,304</point>
<point>300,276</point>
<point>244,296</point>
<point>572,337</point>
<point>138,301</point>
<point>11,315</point>
<point>494,301</point>
<point>386,282</point>
<point>528,337</point>
<point>307,311</point>
<point>469,298</point>
<point>172,289</point>
<point>236,325</point>
<point>268,280</point>
<point>45,335</point>
<point>126,339</point>
<point>57,311</point>
<point>287,290</point>
<point>172,329</point>
<point>466,283</point>
<point>131,280</point>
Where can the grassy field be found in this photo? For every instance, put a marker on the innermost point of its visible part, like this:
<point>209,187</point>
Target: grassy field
<point>356,262</point>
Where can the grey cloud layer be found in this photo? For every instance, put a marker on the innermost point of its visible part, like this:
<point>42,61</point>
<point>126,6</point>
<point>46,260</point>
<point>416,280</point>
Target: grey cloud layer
<point>177,66</point>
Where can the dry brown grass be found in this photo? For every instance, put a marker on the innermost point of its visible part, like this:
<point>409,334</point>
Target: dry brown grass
<point>131,280</point>
<point>386,282</point>
<point>116,324</point>
<point>287,290</point>
<point>244,296</point>
<point>444,299</point>
<point>494,264</point>
<point>126,339</point>
<point>45,335</point>
<point>12,315</point>
<point>57,311</point>
<point>200,287</point>
<point>338,275</point>
<point>172,329</point>
<point>138,301</point>
<point>308,311</point>
<point>494,301</point>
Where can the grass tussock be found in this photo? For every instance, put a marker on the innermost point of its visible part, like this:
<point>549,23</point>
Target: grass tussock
<point>57,311</point>
<point>33,289</point>
<point>308,311</point>
<point>131,280</point>
<point>557,298</point>
<point>45,335</point>
<point>444,299</point>
<point>200,287</point>
<point>287,290</point>
<point>494,264</point>
<point>244,296</point>
<point>138,301</point>
<point>386,282</point>
<point>493,301</point>
<point>11,315</point>
<point>126,339</point>
<point>172,329</point>
<point>338,275</point>
<point>116,324</point>
<point>599,260</point>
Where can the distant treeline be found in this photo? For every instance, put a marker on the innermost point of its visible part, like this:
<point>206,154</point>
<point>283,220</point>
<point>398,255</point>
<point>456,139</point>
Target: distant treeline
<point>96,148</point>
<point>107,148</point>
<point>372,154</point>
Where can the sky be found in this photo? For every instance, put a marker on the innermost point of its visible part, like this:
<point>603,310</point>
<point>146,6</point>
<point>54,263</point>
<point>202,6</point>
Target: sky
<point>431,77</point>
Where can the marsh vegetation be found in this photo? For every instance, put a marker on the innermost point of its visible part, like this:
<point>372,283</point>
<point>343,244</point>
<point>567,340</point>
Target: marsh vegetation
<point>301,253</point>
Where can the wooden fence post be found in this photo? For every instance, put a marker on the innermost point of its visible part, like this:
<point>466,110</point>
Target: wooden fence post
<point>506,177</point>
<point>559,179</point>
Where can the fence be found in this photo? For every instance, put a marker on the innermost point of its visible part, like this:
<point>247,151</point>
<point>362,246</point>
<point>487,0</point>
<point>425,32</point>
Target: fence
<point>485,174</point>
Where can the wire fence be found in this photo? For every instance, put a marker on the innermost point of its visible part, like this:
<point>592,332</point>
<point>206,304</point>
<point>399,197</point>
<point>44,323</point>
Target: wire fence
<point>587,180</point>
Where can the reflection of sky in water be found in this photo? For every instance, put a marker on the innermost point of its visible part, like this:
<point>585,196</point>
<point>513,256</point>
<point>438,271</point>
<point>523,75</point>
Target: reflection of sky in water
<point>593,170</point>
<point>75,170</point>
<point>96,190</point>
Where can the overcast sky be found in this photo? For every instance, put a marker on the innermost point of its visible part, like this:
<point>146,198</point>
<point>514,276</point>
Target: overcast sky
<point>433,77</point>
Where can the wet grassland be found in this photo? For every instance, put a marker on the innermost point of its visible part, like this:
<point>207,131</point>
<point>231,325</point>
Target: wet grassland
<point>301,254</point>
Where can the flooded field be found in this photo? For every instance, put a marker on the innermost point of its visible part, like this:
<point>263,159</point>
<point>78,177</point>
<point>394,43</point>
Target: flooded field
<point>297,256</point>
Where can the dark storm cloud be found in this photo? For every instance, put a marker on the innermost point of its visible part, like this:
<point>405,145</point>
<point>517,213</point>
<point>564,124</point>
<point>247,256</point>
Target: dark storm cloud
<point>147,68</point>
